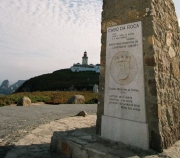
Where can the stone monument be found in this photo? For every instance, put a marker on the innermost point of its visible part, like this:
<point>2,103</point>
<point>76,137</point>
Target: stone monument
<point>139,98</point>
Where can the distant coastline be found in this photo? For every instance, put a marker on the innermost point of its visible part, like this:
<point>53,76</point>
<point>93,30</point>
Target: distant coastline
<point>7,88</point>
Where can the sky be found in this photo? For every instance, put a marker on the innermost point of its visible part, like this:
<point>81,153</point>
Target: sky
<point>41,36</point>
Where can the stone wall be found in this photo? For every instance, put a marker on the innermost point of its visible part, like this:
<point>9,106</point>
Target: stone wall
<point>161,50</point>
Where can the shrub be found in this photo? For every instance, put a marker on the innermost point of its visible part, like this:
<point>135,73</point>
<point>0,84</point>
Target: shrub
<point>92,101</point>
<point>49,97</point>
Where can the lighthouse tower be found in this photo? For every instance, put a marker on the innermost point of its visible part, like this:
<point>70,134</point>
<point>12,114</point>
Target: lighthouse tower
<point>85,59</point>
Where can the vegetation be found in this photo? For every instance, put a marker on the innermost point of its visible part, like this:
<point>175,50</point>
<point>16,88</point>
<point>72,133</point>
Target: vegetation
<point>61,80</point>
<point>49,97</point>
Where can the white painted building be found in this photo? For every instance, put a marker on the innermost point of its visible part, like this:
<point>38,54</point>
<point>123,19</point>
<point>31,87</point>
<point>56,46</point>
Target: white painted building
<point>84,66</point>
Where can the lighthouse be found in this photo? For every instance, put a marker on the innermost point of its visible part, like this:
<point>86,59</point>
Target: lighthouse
<point>85,59</point>
<point>84,66</point>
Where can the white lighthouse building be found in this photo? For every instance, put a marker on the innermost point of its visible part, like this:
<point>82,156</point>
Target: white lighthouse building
<point>85,59</point>
<point>84,66</point>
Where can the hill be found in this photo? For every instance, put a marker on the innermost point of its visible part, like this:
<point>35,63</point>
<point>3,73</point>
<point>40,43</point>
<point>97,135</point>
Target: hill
<point>61,80</point>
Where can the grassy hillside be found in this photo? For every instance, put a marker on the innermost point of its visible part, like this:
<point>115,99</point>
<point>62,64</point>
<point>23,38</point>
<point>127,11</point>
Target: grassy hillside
<point>61,80</point>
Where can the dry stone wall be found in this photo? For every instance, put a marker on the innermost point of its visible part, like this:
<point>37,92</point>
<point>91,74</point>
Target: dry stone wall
<point>161,50</point>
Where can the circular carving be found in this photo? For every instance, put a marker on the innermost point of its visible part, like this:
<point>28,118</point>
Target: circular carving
<point>123,67</point>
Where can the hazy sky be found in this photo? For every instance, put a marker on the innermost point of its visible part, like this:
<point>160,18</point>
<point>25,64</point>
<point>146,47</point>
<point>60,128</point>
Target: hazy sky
<point>41,36</point>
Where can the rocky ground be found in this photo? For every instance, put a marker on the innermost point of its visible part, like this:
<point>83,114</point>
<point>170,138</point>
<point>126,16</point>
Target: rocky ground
<point>37,142</point>
<point>17,122</point>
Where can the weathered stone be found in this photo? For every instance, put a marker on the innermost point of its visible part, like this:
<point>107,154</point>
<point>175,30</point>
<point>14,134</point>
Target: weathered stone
<point>161,64</point>
<point>103,61</point>
<point>133,15</point>
<point>152,87</point>
<point>149,61</point>
<point>171,52</point>
<point>168,38</point>
<point>76,99</point>
<point>107,24</point>
<point>151,40</point>
<point>79,153</point>
<point>65,149</point>
<point>82,113</point>
<point>25,101</point>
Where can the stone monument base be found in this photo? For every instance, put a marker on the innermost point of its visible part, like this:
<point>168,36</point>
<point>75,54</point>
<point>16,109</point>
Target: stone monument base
<point>125,131</point>
<point>84,143</point>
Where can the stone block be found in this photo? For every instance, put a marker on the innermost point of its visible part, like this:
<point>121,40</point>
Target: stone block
<point>64,149</point>
<point>24,101</point>
<point>149,61</point>
<point>76,99</point>
<point>128,132</point>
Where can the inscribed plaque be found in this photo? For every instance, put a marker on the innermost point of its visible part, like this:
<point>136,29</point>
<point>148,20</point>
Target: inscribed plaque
<point>124,82</point>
